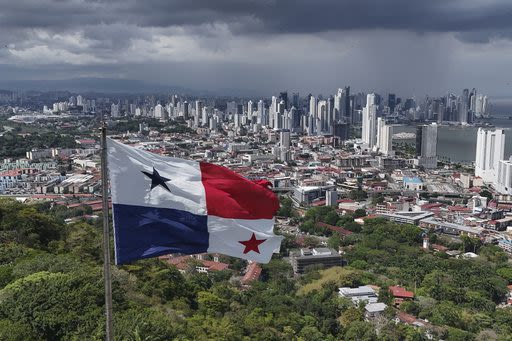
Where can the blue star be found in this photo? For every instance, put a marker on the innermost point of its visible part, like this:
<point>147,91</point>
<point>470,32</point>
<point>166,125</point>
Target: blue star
<point>157,179</point>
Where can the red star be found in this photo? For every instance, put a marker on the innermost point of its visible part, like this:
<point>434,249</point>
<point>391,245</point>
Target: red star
<point>252,244</point>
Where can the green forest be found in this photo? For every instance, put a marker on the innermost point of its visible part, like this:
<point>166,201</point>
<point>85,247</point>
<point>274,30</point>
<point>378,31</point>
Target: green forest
<point>51,287</point>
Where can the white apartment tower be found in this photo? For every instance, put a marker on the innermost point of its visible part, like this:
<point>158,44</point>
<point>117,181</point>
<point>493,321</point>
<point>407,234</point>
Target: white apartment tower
<point>384,137</point>
<point>503,183</point>
<point>369,129</point>
<point>490,149</point>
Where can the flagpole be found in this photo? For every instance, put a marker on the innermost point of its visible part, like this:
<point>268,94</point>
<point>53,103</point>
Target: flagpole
<point>107,278</point>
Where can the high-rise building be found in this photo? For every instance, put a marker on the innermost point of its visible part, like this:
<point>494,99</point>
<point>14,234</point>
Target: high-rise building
<point>490,149</point>
<point>272,113</point>
<point>369,127</point>
<point>463,107</point>
<point>199,112</point>
<point>321,117</point>
<point>341,132</point>
<point>249,109</point>
<point>426,145</point>
<point>159,111</point>
<point>261,113</point>
<point>312,129</point>
<point>283,96</point>
<point>295,100</point>
<point>384,137</point>
<point>284,138</point>
<point>503,183</point>
<point>331,198</point>
<point>391,102</point>
<point>293,119</point>
<point>114,110</point>
<point>204,117</point>
<point>231,108</point>
<point>185,110</point>
<point>330,115</point>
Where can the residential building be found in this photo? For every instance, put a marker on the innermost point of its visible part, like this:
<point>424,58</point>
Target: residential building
<point>490,149</point>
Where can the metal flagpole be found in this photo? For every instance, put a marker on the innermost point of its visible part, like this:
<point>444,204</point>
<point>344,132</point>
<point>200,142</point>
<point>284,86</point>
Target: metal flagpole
<point>107,278</point>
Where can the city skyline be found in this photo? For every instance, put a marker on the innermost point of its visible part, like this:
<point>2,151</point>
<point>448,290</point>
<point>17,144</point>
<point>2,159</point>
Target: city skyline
<point>263,47</point>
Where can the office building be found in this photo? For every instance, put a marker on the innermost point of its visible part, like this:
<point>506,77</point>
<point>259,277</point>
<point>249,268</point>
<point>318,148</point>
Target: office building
<point>490,149</point>
<point>391,103</point>
<point>324,257</point>
<point>185,110</point>
<point>283,96</point>
<point>321,118</point>
<point>426,145</point>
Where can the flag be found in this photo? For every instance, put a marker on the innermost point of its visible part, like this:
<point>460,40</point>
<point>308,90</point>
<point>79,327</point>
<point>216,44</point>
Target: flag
<point>164,205</point>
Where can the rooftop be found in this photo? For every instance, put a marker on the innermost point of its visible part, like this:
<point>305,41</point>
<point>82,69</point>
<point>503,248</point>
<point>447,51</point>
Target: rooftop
<point>375,307</point>
<point>414,180</point>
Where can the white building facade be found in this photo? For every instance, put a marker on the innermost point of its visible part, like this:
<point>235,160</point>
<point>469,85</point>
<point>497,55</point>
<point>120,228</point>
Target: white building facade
<point>490,149</point>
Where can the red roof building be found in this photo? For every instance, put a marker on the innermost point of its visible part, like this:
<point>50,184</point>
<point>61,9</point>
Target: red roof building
<point>439,248</point>
<point>182,263</point>
<point>253,273</point>
<point>399,292</point>
<point>333,228</point>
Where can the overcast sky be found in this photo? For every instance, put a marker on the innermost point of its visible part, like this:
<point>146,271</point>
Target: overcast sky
<point>411,47</point>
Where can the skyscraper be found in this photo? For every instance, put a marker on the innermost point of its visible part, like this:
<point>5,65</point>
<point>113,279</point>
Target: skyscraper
<point>490,149</point>
<point>272,112</point>
<point>295,100</point>
<point>199,112</point>
<point>261,113</point>
<point>369,128</point>
<point>426,145</point>
<point>503,183</point>
<point>204,117</point>
<point>463,107</point>
<point>159,112</point>
<point>249,109</point>
<point>114,110</point>
<point>185,110</point>
<point>283,96</point>
<point>384,137</point>
<point>312,116</point>
<point>279,118</point>
<point>391,102</point>
<point>321,118</point>
<point>342,111</point>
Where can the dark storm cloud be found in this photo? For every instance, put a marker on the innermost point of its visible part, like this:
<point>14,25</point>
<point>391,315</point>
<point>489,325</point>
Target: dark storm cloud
<point>475,20</point>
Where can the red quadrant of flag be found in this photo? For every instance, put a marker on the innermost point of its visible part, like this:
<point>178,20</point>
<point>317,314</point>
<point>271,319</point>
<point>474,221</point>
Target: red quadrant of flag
<point>229,195</point>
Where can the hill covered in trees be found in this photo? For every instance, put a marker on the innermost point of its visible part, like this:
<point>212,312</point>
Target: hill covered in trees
<point>51,288</point>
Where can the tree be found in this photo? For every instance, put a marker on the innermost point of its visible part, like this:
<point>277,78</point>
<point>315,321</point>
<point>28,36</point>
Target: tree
<point>286,207</point>
<point>211,304</point>
<point>359,213</point>
<point>55,305</point>
<point>360,331</point>
<point>487,194</point>
<point>350,316</point>
<point>506,273</point>
<point>334,241</point>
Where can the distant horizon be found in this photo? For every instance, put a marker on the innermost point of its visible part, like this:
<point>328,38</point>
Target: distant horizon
<point>155,87</point>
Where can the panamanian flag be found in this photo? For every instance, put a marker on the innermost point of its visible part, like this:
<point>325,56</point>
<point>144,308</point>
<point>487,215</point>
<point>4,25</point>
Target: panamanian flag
<point>164,205</point>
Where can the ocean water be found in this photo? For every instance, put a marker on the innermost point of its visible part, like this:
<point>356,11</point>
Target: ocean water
<point>458,143</point>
